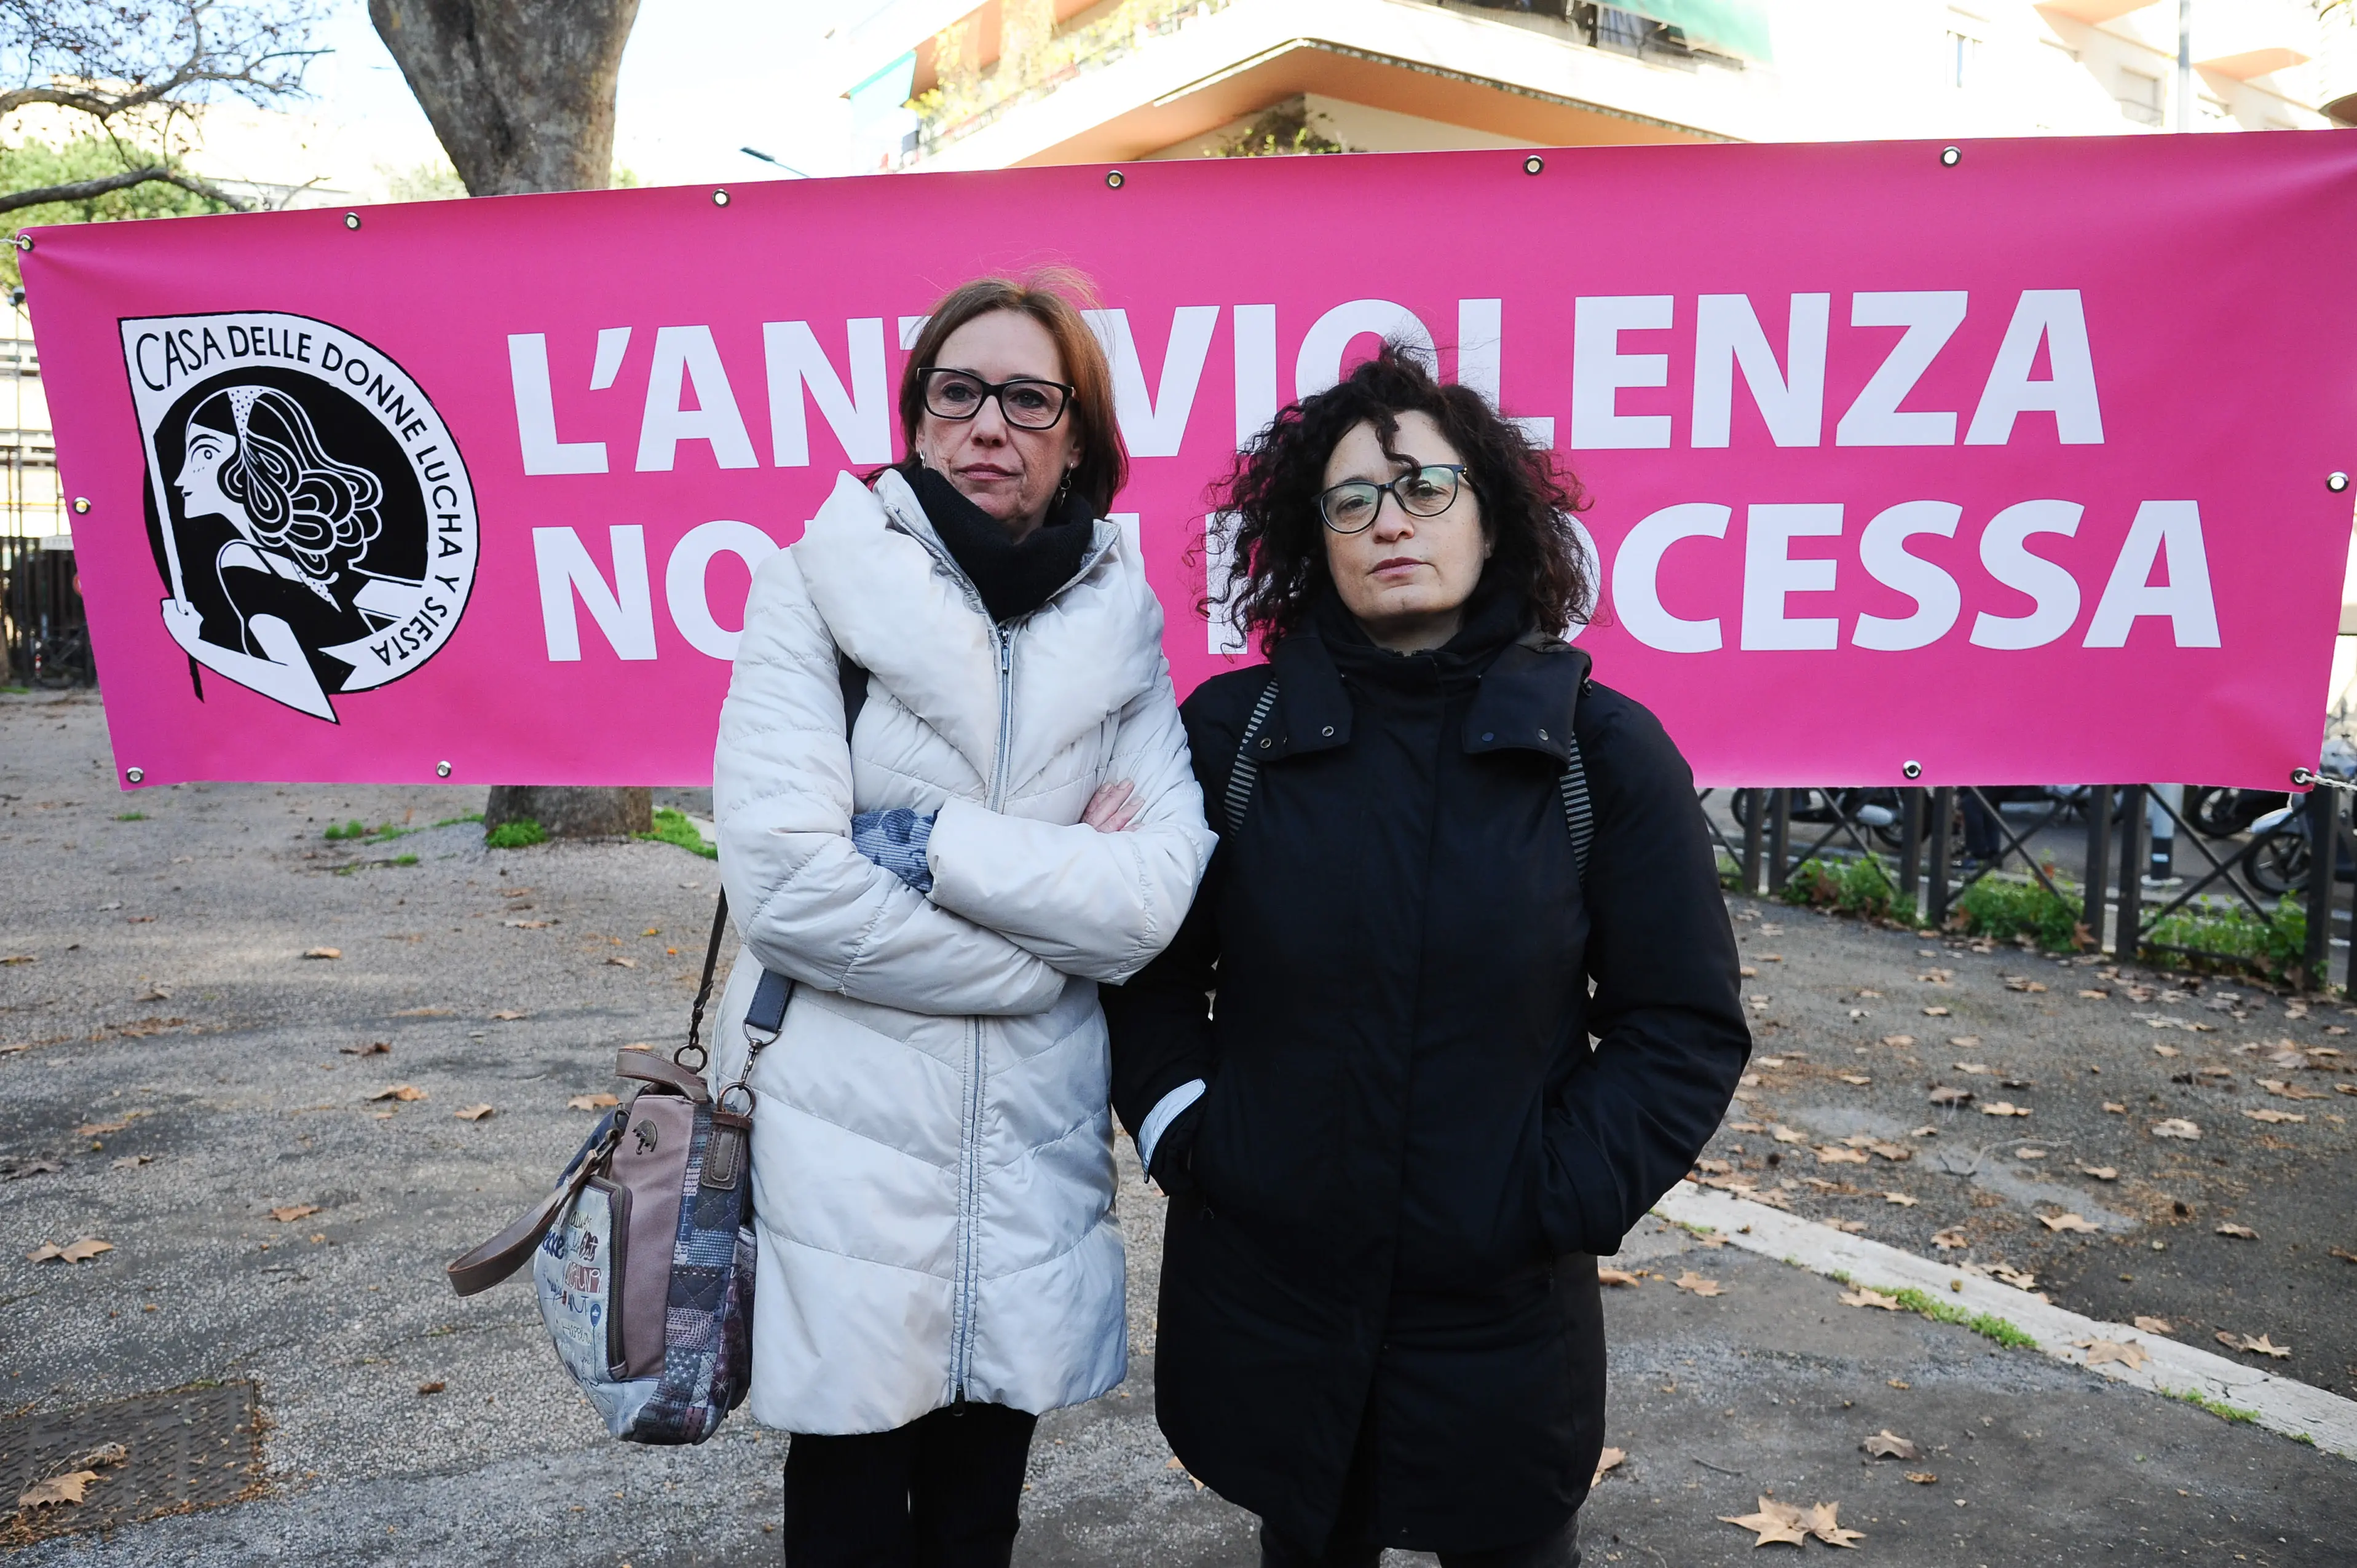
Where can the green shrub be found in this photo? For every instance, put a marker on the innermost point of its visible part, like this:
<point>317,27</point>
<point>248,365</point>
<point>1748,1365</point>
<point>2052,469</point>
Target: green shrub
<point>1854,887</point>
<point>2005,910</point>
<point>2228,935</point>
<point>404,860</point>
<point>672,827</point>
<point>519,834</point>
<point>131,816</point>
<point>336,833</point>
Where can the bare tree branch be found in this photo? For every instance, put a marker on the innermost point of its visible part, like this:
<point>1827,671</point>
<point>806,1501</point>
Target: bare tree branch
<point>83,189</point>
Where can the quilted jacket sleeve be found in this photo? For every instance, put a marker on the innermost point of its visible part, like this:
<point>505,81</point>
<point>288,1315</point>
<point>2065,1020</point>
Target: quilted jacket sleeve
<point>809,905</point>
<point>1092,903</point>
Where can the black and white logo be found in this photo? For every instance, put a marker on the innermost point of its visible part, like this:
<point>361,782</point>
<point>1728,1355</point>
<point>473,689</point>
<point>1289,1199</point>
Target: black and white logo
<point>309,514</point>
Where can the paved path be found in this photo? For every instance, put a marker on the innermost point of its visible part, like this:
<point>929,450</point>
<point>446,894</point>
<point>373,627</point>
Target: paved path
<point>167,991</point>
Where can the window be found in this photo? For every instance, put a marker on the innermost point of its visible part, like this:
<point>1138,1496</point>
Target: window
<point>2143,99</point>
<point>1959,59</point>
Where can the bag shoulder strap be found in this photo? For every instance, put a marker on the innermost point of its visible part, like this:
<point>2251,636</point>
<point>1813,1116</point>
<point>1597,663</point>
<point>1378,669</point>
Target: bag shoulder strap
<point>1578,811</point>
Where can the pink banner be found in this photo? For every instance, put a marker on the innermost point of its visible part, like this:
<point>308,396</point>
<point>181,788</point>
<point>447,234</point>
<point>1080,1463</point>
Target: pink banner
<point>2011,462</point>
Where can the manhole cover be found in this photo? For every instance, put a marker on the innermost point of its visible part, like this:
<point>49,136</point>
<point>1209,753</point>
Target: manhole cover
<point>158,1454</point>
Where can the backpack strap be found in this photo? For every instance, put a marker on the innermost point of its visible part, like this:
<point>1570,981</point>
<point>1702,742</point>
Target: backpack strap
<point>1578,811</point>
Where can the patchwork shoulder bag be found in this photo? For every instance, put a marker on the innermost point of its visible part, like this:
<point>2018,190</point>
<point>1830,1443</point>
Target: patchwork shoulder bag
<point>642,1256</point>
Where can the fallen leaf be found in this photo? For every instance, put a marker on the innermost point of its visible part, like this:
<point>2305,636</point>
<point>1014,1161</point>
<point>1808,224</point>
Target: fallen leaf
<point>620,962</point>
<point>1605,1276</point>
<point>2240,1232</point>
<point>1978,1070</point>
<point>99,1129</point>
<point>2069,1222</point>
<point>1965,1042</point>
<point>2116,1107</point>
<point>1846,1227</point>
<point>529,925</point>
<point>1887,1445</point>
<point>2263,1346</point>
<point>2268,1113</point>
<point>1898,1383</point>
<point>1774,1522</point>
<point>435,1387</point>
<point>1944,1095</point>
<point>323,953</point>
<point>2288,1092</point>
<point>1900,1199</point>
<point>402,1091</point>
<point>2153,1324</point>
<point>423,1013</point>
<point>1745,971</point>
<point>509,1017</point>
<point>24,957</point>
<point>1935,1012</point>
<point>2030,1154</point>
<point>2097,995</point>
<point>2162,1050</point>
<point>1713,1167</point>
<point>2100,1173</point>
<point>2021,982</point>
<point>66,1489</point>
<point>1830,1155</point>
<point>77,1252</point>
<point>591,1102</point>
<point>129,1162</point>
<point>1898,1039</point>
<point>1700,1286</point>
<point>2343,1253</point>
<point>44,1252</point>
<point>1771,1063</point>
<point>375,1048</point>
<point>293,1211</point>
<point>1610,1459</point>
<point>2176,1127</point>
<point>1786,1136</point>
<point>1857,1079</point>
<point>2014,1277</point>
<point>1921,1477</point>
<point>1949,1241</point>
<point>474,1113</point>
<point>2099,1351</point>
<point>1866,1296</point>
<point>2003,1108</point>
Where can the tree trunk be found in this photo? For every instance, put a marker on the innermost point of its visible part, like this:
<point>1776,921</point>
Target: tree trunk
<point>520,92</point>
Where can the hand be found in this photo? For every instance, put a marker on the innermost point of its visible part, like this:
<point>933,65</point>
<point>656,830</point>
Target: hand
<point>1114,807</point>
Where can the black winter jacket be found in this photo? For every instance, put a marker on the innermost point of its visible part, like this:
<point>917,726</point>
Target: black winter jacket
<point>1388,1201</point>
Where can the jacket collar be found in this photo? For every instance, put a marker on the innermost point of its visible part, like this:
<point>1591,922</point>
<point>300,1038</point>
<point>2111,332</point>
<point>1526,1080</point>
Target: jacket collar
<point>1524,702</point>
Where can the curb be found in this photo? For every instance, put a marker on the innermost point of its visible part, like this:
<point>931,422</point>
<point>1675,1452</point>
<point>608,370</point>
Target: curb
<point>2284,1405</point>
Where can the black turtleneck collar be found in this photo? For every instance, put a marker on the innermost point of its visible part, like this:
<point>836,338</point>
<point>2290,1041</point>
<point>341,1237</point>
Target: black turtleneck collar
<point>1495,616</point>
<point>1013,578</point>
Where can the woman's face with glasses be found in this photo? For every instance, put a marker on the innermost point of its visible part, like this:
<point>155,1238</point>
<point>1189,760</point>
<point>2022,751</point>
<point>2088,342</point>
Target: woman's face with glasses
<point>1006,448</point>
<point>1405,538</point>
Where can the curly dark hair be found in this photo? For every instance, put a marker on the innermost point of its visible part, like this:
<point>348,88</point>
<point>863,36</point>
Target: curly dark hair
<point>1265,508</point>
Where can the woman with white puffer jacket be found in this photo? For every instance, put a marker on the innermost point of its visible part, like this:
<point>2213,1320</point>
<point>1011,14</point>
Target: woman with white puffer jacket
<point>934,891</point>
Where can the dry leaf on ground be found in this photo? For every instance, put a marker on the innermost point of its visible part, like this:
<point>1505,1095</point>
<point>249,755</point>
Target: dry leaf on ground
<point>129,1162</point>
<point>474,1113</point>
<point>99,1129</point>
<point>2071,1222</point>
<point>2003,1108</point>
<point>2343,1253</point>
<point>591,1102</point>
<point>1696,1284</point>
<point>2116,1107</point>
<point>2161,1050</point>
<point>1898,1039</point>
<point>1900,1199</point>
<point>1887,1445</point>
<point>375,1048</point>
<point>2240,1232</point>
<point>1866,1296</point>
<point>435,1387</point>
<point>1832,1155</point>
<point>1775,1523</point>
<point>80,1250</point>
<point>1949,1241</point>
<point>2017,1278</point>
<point>2131,1355</point>
<point>66,1488</point>
<point>2153,1324</point>
<point>323,953</point>
<point>2176,1127</point>
<point>1944,1095</point>
<point>620,962</point>
<point>528,925</point>
<point>1921,1477</point>
<point>2269,1114</point>
<point>400,1092</point>
<point>2100,1173</point>
<point>1610,1459</point>
<point>2263,1346</point>
<point>293,1211</point>
<point>508,1016</point>
<point>1935,1012</point>
<point>1858,1080</point>
<point>1786,1136</point>
<point>1615,1277</point>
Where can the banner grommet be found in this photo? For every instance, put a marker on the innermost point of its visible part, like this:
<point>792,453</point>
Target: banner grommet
<point>1951,156</point>
<point>719,198</point>
<point>1911,770</point>
<point>134,774</point>
<point>351,220</point>
<point>82,504</point>
<point>1534,164</point>
<point>441,770</point>
<point>2336,481</point>
<point>1113,180</point>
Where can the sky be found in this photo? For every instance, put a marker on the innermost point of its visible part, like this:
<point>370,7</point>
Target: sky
<point>701,79</point>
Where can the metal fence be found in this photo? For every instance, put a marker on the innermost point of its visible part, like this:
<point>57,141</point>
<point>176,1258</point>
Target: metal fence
<point>1914,834</point>
<point>42,628</point>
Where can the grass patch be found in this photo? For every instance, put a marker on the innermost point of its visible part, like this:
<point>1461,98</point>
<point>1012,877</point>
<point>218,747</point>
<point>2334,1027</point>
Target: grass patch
<point>404,860</point>
<point>672,827</point>
<point>2005,910</point>
<point>2228,936</point>
<point>1987,1325</point>
<point>1862,887</point>
<point>454,821</point>
<point>356,830</point>
<point>519,834</point>
<point>2218,1408</point>
<point>130,816</point>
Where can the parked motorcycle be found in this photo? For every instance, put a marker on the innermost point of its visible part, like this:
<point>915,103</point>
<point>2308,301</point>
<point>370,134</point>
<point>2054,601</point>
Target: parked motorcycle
<point>2279,854</point>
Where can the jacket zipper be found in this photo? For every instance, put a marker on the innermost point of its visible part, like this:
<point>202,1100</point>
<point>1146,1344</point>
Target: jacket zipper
<point>970,1133</point>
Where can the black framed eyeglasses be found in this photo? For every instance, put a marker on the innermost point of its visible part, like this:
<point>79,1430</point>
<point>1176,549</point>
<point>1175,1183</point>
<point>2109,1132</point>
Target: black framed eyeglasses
<point>1350,506</point>
<point>1025,402</point>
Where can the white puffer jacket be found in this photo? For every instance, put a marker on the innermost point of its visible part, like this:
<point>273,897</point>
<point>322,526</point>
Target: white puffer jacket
<point>932,1155</point>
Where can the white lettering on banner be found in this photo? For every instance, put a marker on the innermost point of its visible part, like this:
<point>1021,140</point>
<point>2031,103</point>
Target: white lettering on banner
<point>2185,599</point>
<point>1882,550</point>
<point>624,611</point>
<point>1791,401</point>
<point>2005,552</point>
<point>1636,571</point>
<point>911,328</point>
<point>683,582</point>
<point>685,355</point>
<point>1931,318</point>
<point>1156,425</point>
<point>1599,369</point>
<point>1769,574</point>
<point>1318,366</point>
<point>1255,332</point>
<point>613,342</point>
<point>2055,316</point>
<point>1480,357</point>
<point>861,418</point>
<point>535,407</point>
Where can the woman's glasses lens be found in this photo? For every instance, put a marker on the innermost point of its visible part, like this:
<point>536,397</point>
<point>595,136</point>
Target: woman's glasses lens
<point>1351,506</point>
<point>1033,405</point>
<point>1428,491</point>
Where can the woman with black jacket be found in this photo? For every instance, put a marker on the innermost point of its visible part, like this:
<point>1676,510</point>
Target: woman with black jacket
<point>1446,1063</point>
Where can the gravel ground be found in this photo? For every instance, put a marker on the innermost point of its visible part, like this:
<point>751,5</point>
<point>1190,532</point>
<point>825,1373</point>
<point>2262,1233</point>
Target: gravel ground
<point>166,1046</point>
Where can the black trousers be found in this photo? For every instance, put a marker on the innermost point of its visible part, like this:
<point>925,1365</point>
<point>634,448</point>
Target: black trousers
<point>943,1491</point>
<point>1560,1550</point>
